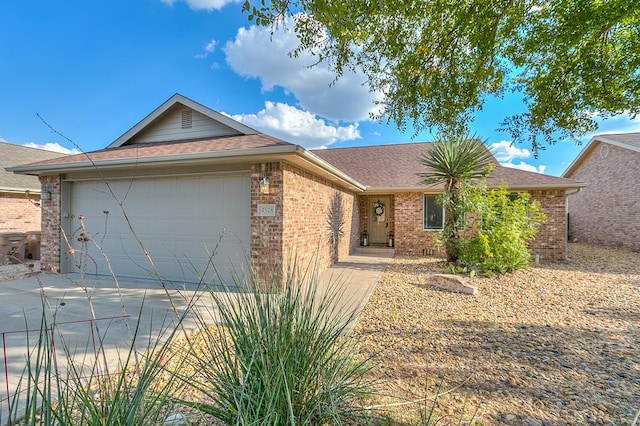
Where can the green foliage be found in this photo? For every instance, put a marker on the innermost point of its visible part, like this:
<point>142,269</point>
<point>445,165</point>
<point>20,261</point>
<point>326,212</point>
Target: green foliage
<point>453,161</point>
<point>498,241</point>
<point>436,62</point>
<point>280,359</point>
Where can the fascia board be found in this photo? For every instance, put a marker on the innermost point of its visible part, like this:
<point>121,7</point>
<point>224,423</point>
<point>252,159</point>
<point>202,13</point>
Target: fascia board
<point>246,155</point>
<point>436,189</point>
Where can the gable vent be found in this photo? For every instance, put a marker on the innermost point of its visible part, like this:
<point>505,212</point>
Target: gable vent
<point>187,119</point>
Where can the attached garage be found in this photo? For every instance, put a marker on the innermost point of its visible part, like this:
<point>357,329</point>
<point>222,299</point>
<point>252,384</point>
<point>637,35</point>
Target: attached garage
<point>193,227</point>
<point>209,198</point>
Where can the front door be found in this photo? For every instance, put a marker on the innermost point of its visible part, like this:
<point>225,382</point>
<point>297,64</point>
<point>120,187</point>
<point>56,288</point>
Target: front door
<point>378,215</point>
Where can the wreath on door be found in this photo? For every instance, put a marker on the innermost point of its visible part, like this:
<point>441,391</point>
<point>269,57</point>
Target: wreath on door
<point>378,209</point>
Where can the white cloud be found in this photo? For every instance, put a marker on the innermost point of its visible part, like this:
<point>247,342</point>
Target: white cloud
<point>525,166</point>
<point>3,139</point>
<point>257,53</point>
<point>52,146</point>
<point>297,126</point>
<point>208,49</point>
<point>505,151</point>
<point>207,5</point>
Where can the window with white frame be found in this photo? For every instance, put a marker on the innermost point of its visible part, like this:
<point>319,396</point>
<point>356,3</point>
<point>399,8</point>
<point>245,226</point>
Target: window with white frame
<point>433,213</point>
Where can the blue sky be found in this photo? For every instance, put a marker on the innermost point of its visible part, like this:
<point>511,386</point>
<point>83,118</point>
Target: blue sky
<point>94,69</point>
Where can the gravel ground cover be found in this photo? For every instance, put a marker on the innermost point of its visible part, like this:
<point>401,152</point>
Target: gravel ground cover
<point>556,344</point>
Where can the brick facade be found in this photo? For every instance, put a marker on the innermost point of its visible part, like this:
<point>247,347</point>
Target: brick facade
<point>411,239</point>
<point>550,244</point>
<point>314,224</point>
<point>317,223</point>
<point>19,212</point>
<point>607,211</point>
<point>266,231</point>
<point>319,220</point>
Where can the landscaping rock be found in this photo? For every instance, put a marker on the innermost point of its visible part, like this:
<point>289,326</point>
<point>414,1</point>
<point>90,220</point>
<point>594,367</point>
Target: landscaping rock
<point>451,282</point>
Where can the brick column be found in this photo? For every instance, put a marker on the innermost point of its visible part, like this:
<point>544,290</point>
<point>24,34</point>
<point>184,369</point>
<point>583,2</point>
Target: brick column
<point>50,225</point>
<point>266,231</point>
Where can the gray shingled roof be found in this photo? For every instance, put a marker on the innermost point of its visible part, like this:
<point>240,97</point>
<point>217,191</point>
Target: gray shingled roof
<point>15,155</point>
<point>385,167</point>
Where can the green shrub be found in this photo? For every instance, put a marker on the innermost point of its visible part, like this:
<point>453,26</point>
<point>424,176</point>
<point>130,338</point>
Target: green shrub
<point>498,241</point>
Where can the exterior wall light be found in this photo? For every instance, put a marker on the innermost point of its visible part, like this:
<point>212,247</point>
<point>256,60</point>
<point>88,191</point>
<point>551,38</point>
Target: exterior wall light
<point>264,185</point>
<point>46,193</point>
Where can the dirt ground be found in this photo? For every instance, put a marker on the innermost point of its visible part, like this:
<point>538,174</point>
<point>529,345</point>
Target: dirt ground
<point>556,344</point>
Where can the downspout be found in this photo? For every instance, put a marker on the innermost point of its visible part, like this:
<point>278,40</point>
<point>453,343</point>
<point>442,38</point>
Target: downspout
<point>566,231</point>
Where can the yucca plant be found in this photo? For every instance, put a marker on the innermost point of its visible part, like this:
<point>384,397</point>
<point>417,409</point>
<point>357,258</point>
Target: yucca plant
<point>453,161</point>
<point>280,358</point>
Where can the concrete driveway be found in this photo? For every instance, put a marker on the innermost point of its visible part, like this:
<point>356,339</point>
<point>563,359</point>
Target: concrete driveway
<point>116,308</point>
<point>87,309</point>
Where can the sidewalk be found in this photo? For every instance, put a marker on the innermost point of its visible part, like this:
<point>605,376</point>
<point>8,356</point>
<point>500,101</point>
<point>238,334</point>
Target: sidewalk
<point>357,276</point>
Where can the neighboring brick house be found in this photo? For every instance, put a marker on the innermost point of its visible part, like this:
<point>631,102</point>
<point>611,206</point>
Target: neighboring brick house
<point>211,198</point>
<point>20,194</point>
<point>607,211</point>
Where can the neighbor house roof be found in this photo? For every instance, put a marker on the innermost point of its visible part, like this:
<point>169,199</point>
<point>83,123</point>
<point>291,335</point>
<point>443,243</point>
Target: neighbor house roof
<point>629,141</point>
<point>384,168</point>
<point>15,155</point>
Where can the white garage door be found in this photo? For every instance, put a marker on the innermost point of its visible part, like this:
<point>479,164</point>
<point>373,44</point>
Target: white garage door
<point>192,227</point>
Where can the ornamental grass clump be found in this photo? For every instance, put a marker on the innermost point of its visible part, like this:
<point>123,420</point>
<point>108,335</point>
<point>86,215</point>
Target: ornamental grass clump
<point>281,358</point>
<point>64,385</point>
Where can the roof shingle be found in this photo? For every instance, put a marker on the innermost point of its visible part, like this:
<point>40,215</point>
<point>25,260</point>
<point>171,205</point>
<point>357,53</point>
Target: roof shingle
<point>167,149</point>
<point>397,166</point>
<point>15,155</point>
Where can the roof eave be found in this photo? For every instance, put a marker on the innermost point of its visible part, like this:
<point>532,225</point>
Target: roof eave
<point>436,189</point>
<point>292,153</point>
<point>20,190</point>
<point>329,171</point>
<point>262,154</point>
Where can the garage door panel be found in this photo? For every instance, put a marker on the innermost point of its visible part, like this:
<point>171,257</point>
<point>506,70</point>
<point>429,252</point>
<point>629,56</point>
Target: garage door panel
<point>179,220</point>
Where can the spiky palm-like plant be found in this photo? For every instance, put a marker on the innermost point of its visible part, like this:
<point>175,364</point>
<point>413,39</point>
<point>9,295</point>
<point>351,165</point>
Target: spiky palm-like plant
<point>454,161</point>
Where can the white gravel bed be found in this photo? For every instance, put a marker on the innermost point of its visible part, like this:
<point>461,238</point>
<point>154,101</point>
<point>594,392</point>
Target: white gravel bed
<point>556,344</point>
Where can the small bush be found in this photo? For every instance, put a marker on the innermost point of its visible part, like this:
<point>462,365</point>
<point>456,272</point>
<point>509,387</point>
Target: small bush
<point>498,242</point>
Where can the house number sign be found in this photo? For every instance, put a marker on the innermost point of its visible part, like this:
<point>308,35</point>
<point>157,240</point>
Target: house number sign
<point>266,209</point>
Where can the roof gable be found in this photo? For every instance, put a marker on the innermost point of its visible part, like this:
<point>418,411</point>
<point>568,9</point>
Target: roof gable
<point>180,118</point>
<point>629,141</point>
